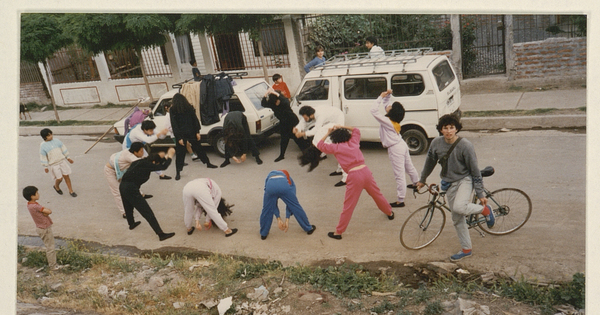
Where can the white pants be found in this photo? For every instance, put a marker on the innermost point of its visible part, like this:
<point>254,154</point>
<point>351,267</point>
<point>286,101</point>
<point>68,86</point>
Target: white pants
<point>113,184</point>
<point>401,164</point>
<point>59,169</point>
<point>459,200</point>
<point>208,194</point>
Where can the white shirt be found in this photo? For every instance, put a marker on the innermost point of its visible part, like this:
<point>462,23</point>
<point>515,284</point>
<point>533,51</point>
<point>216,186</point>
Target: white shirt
<point>323,115</point>
<point>137,135</point>
<point>376,52</point>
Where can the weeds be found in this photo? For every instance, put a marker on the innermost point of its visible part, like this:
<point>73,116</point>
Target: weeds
<point>253,270</point>
<point>433,308</point>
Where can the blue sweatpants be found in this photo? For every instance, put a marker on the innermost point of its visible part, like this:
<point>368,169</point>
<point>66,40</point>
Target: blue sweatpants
<point>277,187</point>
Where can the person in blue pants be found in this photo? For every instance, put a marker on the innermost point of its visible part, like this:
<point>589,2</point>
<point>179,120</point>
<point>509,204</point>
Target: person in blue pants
<point>279,185</point>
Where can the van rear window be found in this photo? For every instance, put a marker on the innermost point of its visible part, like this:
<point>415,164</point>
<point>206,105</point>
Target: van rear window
<point>443,75</point>
<point>314,90</point>
<point>364,88</point>
<point>408,84</point>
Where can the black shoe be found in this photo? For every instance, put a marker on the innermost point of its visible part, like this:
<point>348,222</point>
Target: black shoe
<point>332,235</point>
<point>191,231</point>
<point>208,165</point>
<point>124,216</point>
<point>336,173</point>
<point>165,177</point>
<point>279,158</point>
<point>177,177</point>
<point>311,230</point>
<point>225,163</point>
<point>164,236</point>
<point>264,237</point>
<point>73,194</point>
<point>58,191</point>
<point>258,161</point>
<point>148,196</point>
<point>135,224</point>
<point>340,184</point>
<point>397,204</point>
<point>233,231</point>
<point>391,217</point>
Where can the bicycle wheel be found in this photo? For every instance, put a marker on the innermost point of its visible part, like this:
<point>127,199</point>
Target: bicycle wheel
<point>422,227</point>
<point>512,208</point>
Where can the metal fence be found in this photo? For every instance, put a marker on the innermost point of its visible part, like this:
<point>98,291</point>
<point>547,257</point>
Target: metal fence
<point>30,72</point>
<point>72,64</point>
<point>528,28</point>
<point>482,45</point>
<point>125,64</point>
<point>240,52</point>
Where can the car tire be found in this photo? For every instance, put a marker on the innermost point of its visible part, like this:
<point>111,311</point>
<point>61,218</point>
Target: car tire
<point>218,143</point>
<point>416,140</point>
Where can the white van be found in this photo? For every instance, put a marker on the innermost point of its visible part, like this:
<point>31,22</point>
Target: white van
<point>426,85</point>
<point>248,93</point>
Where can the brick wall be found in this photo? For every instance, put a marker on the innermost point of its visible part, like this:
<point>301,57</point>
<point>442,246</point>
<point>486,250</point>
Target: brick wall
<point>33,92</point>
<point>551,57</point>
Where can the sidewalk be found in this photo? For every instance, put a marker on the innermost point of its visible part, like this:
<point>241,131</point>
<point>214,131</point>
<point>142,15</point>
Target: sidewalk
<point>561,99</point>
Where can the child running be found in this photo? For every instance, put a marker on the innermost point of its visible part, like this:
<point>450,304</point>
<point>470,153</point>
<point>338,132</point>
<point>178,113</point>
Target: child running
<point>54,156</point>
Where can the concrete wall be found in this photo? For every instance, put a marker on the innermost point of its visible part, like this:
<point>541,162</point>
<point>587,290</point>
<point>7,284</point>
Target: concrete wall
<point>551,57</point>
<point>33,92</point>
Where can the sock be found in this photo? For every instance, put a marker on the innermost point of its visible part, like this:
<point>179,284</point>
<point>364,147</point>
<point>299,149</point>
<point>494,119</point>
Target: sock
<point>485,211</point>
<point>466,251</point>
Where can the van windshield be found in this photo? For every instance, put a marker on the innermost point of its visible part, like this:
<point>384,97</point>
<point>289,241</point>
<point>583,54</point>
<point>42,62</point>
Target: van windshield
<point>443,75</point>
<point>256,93</point>
<point>314,90</point>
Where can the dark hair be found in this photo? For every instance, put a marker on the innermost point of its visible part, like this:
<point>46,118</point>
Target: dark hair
<point>310,156</point>
<point>192,62</point>
<point>340,135</point>
<point>224,209</point>
<point>136,146</point>
<point>45,133</point>
<point>154,157</point>
<point>232,138</point>
<point>148,125</point>
<point>29,191</point>
<point>180,104</point>
<point>306,110</point>
<point>449,119</point>
<point>396,113</point>
<point>276,77</point>
<point>372,40</point>
<point>319,48</point>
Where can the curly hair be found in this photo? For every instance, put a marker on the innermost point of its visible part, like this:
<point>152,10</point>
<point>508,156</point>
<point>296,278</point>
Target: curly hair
<point>340,135</point>
<point>396,113</point>
<point>449,119</point>
<point>310,156</point>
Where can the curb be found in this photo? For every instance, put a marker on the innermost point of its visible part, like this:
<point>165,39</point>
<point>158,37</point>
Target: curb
<point>524,122</point>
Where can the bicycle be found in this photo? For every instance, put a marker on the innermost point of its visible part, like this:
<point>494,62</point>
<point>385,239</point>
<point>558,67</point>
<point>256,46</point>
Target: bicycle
<point>512,208</point>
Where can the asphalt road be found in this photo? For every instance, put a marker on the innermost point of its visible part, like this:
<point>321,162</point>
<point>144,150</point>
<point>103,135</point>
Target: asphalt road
<point>549,165</point>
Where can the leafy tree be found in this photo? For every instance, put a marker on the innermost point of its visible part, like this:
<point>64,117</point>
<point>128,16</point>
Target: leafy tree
<point>227,24</point>
<point>102,32</point>
<point>41,37</point>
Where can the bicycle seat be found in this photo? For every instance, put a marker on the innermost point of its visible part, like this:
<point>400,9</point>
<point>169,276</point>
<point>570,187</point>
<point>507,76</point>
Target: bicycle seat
<point>487,171</point>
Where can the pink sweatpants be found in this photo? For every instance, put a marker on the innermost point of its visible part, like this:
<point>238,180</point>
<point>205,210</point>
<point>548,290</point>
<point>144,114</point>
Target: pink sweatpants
<point>357,181</point>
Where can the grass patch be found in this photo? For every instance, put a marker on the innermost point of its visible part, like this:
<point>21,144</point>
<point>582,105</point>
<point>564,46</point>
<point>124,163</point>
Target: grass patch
<point>50,123</point>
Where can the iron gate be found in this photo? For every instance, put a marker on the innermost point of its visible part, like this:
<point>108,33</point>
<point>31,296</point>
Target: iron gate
<point>482,39</point>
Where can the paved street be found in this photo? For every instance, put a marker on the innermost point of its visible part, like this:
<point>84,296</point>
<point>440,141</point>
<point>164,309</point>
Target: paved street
<point>548,165</point>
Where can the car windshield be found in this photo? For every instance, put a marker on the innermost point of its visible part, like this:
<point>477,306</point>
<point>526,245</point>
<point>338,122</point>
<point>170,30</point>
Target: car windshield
<point>256,93</point>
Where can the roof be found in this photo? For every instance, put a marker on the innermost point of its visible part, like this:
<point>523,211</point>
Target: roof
<point>363,63</point>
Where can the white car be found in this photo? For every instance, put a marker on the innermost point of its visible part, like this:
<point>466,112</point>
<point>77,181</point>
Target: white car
<point>247,97</point>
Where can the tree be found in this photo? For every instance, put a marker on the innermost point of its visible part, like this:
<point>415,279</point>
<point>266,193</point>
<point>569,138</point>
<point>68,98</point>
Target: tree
<point>101,32</point>
<point>41,37</point>
<point>226,24</point>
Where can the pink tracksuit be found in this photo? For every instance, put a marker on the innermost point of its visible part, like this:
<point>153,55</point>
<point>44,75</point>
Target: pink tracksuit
<point>351,159</point>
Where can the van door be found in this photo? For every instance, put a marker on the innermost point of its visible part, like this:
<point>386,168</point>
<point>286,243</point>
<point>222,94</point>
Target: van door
<point>315,92</point>
<point>447,88</point>
<point>359,93</point>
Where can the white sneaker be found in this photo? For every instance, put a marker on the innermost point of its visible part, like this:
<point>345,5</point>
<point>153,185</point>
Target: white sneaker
<point>194,156</point>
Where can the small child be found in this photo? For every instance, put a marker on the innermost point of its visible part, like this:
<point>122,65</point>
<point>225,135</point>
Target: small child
<point>54,156</point>
<point>280,85</point>
<point>195,71</point>
<point>43,223</point>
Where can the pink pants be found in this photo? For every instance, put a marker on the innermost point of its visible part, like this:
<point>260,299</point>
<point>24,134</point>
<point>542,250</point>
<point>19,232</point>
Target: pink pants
<point>357,181</point>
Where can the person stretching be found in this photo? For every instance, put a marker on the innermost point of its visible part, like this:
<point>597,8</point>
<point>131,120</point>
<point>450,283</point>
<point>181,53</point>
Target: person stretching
<point>396,147</point>
<point>279,185</point>
<point>204,195</point>
<point>346,148</point>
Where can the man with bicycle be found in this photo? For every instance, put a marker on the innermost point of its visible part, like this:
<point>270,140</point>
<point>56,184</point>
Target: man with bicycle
<point>460,175</point>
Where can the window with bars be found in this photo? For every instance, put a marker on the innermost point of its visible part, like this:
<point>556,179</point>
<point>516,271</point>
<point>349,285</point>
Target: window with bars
<point>125,64</point>
<point>72,64</point>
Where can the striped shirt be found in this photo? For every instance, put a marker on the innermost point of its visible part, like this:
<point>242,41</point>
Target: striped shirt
<point>52,152</point>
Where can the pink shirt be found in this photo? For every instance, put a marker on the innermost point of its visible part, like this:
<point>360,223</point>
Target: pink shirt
<point>41,221</point>
<point>348,154</point>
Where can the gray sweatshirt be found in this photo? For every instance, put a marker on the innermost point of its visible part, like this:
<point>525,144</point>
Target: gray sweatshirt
<point>462,162</point>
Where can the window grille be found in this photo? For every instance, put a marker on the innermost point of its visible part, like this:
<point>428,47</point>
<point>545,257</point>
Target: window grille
<point>125,64</point>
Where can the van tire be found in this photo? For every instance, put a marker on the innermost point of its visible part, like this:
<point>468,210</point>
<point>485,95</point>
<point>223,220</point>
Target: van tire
<point>416,140</point>
<point>218,143</point>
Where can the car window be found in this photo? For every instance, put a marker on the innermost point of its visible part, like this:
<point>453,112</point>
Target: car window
<point>256,93</point>
<point>443,75</point>
<point>408,84</point>
<point>314,90</point>
<point>160,110</point>
<point>364,88</point>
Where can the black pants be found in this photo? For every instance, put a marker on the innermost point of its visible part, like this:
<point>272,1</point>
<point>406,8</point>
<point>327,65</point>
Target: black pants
<point>286,135</point>
<point>181,151</point>
<point>130,194</point>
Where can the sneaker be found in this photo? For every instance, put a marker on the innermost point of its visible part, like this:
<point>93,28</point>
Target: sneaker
<point>490,220</point>
<point>460,255</point>
<point>194,156</point>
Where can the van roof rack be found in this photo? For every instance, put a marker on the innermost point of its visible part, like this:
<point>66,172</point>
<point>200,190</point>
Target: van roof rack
<point>399,56</point>
<point>231,74</point>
